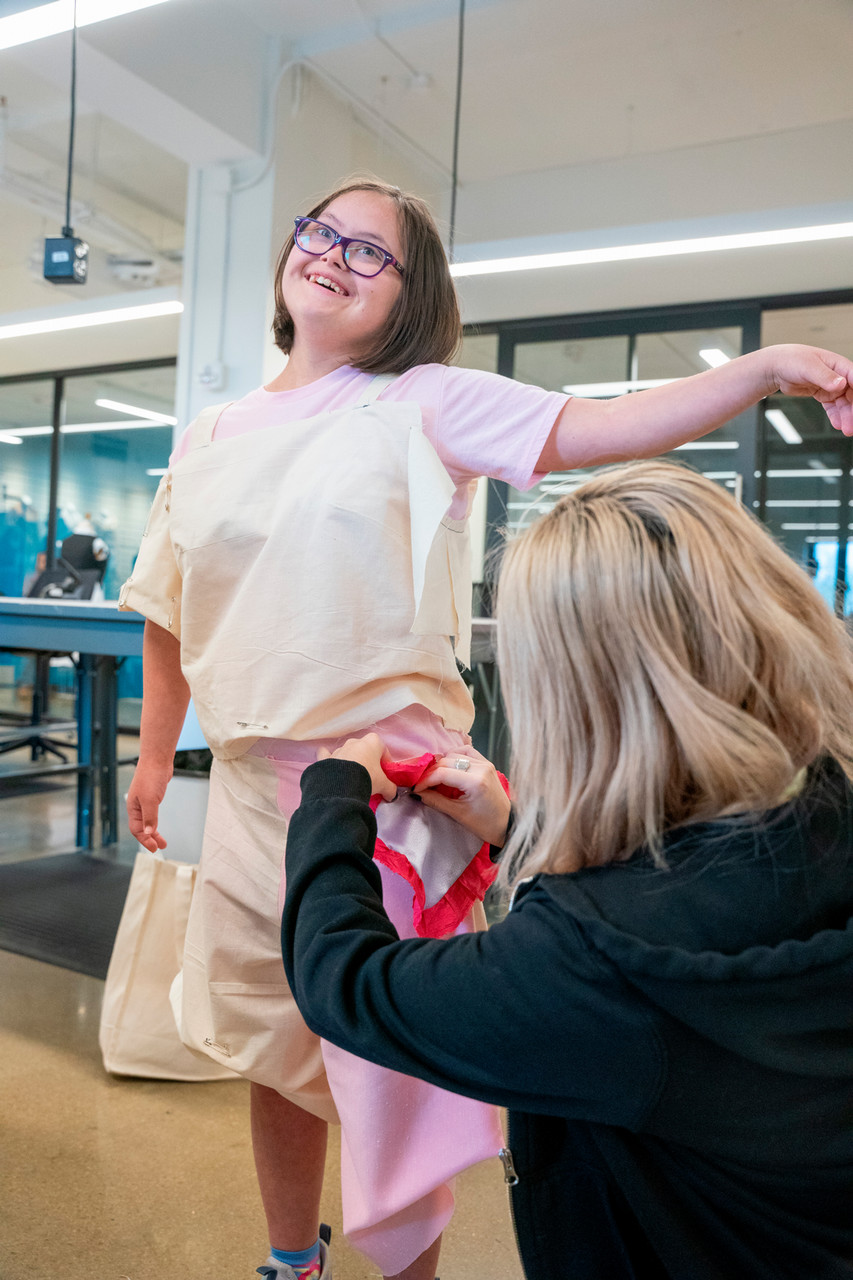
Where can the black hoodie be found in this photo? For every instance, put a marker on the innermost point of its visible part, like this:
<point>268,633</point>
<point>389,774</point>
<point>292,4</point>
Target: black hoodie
<point>675,1047</point>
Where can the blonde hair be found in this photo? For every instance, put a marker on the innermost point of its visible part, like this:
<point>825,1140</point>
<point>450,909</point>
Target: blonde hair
<point>663,662</point>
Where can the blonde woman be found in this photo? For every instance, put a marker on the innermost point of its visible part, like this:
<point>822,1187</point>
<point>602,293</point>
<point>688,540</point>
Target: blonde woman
<point>666,1010</point>
<point>305,576</point>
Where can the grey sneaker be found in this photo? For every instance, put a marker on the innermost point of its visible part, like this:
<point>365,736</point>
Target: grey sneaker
<point>274,1270</point>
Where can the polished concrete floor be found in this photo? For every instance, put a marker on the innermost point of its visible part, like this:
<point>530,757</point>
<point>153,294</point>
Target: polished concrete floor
<point>104,1178</point>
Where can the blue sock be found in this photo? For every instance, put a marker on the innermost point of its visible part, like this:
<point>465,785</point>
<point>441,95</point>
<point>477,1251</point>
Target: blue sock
<point>299,1259</point>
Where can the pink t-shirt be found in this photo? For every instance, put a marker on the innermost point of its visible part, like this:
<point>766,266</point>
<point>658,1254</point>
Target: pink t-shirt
<point>480,424</point>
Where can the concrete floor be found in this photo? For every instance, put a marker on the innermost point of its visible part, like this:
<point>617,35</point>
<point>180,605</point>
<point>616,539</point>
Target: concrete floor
<point>104,1178</point>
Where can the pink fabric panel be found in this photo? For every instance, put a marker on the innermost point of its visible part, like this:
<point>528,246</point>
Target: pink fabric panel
<point>402,1141</point>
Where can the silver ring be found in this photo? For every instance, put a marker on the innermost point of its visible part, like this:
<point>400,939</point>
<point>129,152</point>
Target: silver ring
<point>462,764</point>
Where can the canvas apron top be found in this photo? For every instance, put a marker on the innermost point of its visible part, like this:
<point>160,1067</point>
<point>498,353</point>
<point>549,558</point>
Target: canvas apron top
<point>312,575</point>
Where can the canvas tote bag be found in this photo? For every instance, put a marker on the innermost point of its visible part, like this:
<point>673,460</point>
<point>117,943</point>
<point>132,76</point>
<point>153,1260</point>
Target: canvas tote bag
<point>138,1035</point>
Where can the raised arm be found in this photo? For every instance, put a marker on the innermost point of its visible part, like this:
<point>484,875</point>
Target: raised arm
<point>165,697</point>
<point>646,423</point>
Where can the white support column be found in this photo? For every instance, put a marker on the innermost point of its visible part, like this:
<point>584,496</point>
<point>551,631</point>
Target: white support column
<point>227,283</point>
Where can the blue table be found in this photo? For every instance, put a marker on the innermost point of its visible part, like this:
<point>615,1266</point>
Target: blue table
<point>101,635</point>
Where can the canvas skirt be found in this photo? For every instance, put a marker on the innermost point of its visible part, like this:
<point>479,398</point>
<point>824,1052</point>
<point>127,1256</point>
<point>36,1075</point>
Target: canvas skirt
<point>402,1140</point>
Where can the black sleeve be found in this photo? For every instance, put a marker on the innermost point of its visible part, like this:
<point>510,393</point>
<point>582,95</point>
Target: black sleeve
<point>524,1015</point>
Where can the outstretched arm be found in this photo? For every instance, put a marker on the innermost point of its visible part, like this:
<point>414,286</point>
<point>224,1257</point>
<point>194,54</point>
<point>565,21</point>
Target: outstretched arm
<point>647,423</point>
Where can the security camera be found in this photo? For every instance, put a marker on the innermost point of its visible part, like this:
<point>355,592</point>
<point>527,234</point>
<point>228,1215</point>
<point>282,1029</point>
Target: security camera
<point>66,260</point>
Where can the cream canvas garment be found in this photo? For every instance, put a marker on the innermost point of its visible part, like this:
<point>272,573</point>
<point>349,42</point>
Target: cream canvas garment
<point>309,609</point>
<point>315,582</point>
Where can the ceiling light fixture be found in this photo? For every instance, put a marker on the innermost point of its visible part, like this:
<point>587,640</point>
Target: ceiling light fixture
<point>714,357</point>
<point>52,19</point>
<point>86,318</point>
<point>593,390</point>
<point>136,412</point>
<point>830,528</point>
<point>708,444</point>
<point>660,249</point>
<point>825,473</point>
<point>76,428</point>
<point>783,424</point>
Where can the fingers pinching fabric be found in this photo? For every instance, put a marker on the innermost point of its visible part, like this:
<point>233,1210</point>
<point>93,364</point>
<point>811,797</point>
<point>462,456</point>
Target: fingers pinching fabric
<point>448,867</point>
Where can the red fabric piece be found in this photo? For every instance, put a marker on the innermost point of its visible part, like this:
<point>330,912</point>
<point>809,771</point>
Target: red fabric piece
<point>444,916</point>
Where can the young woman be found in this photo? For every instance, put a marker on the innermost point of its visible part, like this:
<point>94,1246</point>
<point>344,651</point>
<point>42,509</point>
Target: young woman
<point>666,1008</point>
<point>303,568</point>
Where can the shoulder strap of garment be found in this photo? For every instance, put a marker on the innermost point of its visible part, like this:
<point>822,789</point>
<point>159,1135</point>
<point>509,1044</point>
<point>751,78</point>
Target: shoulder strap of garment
<point>202,427</point>
<point>374,389</point>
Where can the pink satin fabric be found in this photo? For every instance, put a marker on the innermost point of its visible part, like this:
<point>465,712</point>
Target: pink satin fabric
<point>402,1141</point>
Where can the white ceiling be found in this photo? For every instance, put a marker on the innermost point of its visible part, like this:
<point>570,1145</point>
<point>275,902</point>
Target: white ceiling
<point>579,118</point>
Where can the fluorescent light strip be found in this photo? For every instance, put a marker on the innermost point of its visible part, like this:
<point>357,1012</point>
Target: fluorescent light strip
<point>810,474</point>
<point>77,428</point>
<point>783,424</point>
<point>51,19</point>
<point>593,389</point>
<point>156,471</point>
<point>6,438</point>
<point>714,357</point>
<point>707,444</point>
<point>803,502</point>
<point>801,527</point>
<point>660,249</point>
<point>87,319</point>
<point>136,412</point>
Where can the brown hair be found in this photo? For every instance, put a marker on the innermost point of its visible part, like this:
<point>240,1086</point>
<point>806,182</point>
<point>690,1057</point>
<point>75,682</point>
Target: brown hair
<point>424,326</point>
<point>664,662</point>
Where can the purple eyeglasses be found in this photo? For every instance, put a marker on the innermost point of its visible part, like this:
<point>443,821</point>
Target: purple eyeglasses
<point>362,257</point>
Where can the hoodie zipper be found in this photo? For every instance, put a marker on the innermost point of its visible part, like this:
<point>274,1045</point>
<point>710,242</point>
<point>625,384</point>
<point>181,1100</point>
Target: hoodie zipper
<point>511,1180</point>
<point>518,887</point>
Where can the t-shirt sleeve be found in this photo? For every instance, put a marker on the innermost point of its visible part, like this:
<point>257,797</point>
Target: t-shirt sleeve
<point>154,587</point>
<point>488,425</point>
<point>182,447</point>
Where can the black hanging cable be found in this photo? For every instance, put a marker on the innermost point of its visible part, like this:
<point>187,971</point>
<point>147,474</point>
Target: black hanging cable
<point>454,180</point>
<point>66,257</point>
<point>67,230</point>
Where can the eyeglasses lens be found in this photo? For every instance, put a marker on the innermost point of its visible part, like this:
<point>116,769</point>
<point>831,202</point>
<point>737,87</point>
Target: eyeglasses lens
<point>362,257</point>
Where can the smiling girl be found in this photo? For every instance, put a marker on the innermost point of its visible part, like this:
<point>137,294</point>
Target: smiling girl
<point>305,577</point>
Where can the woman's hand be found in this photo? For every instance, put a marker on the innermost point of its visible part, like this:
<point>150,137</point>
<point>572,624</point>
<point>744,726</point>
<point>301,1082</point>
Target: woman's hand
<point>369,751</point>
<point>483,807</point>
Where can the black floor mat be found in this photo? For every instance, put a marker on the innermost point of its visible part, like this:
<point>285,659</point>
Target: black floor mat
<point>63,910</point>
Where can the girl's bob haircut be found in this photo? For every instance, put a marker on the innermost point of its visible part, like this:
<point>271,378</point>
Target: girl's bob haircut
<point>664,662</point>
<point>424,326</point>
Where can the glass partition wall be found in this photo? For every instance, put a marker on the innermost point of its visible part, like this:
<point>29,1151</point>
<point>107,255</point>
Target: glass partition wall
<point>85,448</point>
<point>781,458</point>
<point>80,451</point>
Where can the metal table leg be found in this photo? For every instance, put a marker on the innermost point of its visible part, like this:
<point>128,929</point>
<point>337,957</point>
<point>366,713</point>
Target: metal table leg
<point>85,751</point>
<point>106,749</point>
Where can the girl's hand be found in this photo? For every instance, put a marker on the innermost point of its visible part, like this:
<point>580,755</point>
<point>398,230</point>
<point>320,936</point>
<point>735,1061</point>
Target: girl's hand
<point>811,371</point>
<point>483,807</point>
<point>369,751</point>
<point>144,798</point>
